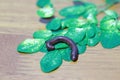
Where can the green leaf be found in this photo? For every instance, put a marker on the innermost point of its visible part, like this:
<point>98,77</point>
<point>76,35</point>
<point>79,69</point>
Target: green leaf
<point>110,35</point>
<point>108,24</point>
<point>73,22</point>
<point>46,12</point>
<point>30,45</point>
<point>81,48</point>
<point>43,3</point>
<point>55,24</point>
<point>42,34</point>
<point>110,19</point>
<point>51,61</point>
<point>110,39</point>
<point>72,11</point>
<point>76,34</point>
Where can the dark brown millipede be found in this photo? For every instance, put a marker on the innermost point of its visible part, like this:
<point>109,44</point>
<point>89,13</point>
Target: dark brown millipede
<point>74,50</point>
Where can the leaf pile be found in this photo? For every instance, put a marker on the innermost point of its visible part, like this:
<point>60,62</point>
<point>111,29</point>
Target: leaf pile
<point>80,24</point>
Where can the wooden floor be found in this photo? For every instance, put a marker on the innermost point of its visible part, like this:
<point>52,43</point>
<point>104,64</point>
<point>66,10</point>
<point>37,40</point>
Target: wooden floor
<point>18,20</point>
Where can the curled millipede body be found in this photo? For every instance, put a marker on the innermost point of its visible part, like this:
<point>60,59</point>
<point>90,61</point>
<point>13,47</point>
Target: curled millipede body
<point>74,50</point>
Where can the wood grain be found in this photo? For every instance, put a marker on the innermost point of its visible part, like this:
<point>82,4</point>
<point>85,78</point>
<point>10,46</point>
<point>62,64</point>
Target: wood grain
<point>18,21</point>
